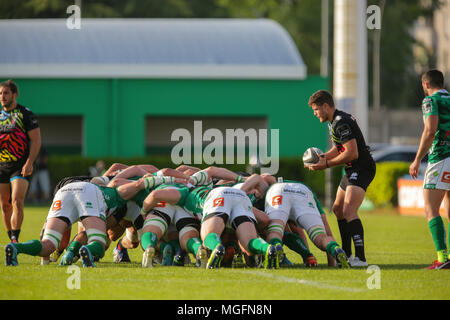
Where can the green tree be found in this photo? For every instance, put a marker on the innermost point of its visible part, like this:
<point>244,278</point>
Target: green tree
<point>400,83</point>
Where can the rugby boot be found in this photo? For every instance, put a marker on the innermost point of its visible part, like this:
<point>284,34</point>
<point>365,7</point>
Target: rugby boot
<point>436,265</point>
<point>55,256</point>
<point>271,258</point>
<point>178,258</point>
<point>11,255</point>
<point>67,259</point>
<point>147,257</point>
<point>167,257</point>
<point>228,257</point>
<point>341,258</point>
<point>310,261</point>
<point>355,262</point>
<point>285,262</point>
<point>202,257</point>
<point>216,257</point>
<point>120,254</point>
<point>86,257</point>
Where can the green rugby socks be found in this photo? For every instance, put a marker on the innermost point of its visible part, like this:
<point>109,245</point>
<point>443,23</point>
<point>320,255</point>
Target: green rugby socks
<point>193,245</point>
<point>74,247</point>
<point>149,239</point>
<point>257,246</point>
<point>32,247</point>
<point>96,249</point>
<point>331,248</point>
<point>212,240</point>
<point>294,242</point>
<point>437,229</point>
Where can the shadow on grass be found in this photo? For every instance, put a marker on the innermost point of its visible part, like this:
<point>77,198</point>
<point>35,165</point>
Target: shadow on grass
<point>107,264</point>
<point>400,266</point>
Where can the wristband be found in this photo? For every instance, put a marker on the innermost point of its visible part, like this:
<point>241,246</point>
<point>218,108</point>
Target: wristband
<point>143,212</point>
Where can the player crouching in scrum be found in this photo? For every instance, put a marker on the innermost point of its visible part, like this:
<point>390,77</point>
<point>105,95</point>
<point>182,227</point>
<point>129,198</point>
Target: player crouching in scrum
<point>292,200</point>
<point>76,201</point>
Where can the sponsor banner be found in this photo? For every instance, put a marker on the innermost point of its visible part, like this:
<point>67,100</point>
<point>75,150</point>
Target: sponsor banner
<point>410,197</point>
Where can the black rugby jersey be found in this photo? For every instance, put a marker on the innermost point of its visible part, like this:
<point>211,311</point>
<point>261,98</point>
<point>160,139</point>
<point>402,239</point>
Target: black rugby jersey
<point>344,128</point>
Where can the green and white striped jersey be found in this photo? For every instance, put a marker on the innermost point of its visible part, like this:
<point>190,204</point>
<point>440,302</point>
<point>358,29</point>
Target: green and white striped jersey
<point>439,104</point>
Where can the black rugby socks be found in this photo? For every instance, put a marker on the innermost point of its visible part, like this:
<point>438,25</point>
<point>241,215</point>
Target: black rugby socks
<point>356,231</point>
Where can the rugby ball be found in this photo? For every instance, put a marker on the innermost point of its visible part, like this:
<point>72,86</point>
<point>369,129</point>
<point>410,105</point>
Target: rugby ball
<point>311,156</point>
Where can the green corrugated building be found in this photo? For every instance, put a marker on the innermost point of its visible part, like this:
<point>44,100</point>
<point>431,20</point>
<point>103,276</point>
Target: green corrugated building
<point>121,87</point>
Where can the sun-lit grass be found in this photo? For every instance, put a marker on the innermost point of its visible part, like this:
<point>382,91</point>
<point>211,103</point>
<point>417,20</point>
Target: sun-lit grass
<point>400,246</point>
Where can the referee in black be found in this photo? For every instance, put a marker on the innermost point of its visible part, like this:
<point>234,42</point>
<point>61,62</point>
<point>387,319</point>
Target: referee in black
<point>349,149</point>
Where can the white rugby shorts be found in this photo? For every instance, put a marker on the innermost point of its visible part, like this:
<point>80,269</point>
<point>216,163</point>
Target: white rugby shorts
<point>437,175</point>
<point>230,201</point>
<point>293,201</point>
<point>76,200</point>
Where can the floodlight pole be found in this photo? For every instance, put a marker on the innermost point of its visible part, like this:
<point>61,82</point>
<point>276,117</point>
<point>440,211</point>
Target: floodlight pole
<point>324,72</point>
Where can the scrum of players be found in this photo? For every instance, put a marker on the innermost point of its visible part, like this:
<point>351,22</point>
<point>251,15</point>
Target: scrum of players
<point>218,217</point>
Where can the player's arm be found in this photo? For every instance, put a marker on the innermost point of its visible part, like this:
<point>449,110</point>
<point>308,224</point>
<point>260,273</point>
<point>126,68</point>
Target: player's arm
<point>35,146</point>
<point>332,153</point>
<point>426,140</point>
<point>349,154</point>
<point>255,181</point>
<point>169,172</point>
<point>184,168</point>
<point>205,176</point>
<point>132,171</point>
<point>170,196</point>
<point>114,168</point>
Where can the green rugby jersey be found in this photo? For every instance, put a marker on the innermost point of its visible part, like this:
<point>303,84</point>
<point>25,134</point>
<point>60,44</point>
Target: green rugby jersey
<point>112,197</point>
<point>196,199</point>
<point>439,104</point>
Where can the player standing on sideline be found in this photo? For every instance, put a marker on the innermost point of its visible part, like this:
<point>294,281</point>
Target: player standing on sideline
<point>436,138</point>
<point>350,149</point>
<point>20,141</point>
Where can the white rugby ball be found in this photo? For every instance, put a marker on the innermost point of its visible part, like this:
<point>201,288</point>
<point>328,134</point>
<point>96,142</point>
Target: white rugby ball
<point>311,156</point>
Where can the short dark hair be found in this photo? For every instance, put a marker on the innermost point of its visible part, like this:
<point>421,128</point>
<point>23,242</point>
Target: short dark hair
<point>11,85</point>
<point>435,78</point>
<point>320,97</point>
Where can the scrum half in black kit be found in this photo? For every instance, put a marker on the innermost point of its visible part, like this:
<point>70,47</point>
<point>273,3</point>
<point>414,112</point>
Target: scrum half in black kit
<point>359,172</point>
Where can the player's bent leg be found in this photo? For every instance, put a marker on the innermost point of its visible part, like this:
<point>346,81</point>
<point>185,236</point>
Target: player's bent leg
<point>154,228</point>
<point>96,234</point>
<point>251,244</point>
<point>275,232</point>
<point>327,244</point>
<point>50,241</point>
<point>72,251</point>
<point>212,227</point>
<point>190,241</point>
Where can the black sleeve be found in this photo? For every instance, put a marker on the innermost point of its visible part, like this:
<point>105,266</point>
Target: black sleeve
<point>29,119</point>
<point>344,130</point>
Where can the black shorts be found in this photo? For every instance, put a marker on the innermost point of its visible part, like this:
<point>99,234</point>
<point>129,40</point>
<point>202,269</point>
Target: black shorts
<point>11,171</point>
<point>358,176</point>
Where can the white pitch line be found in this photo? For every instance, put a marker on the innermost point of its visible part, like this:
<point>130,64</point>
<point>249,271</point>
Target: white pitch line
<point>321,285</point>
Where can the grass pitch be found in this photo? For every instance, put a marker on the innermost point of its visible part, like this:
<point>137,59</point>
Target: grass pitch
<point>400,246</point>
